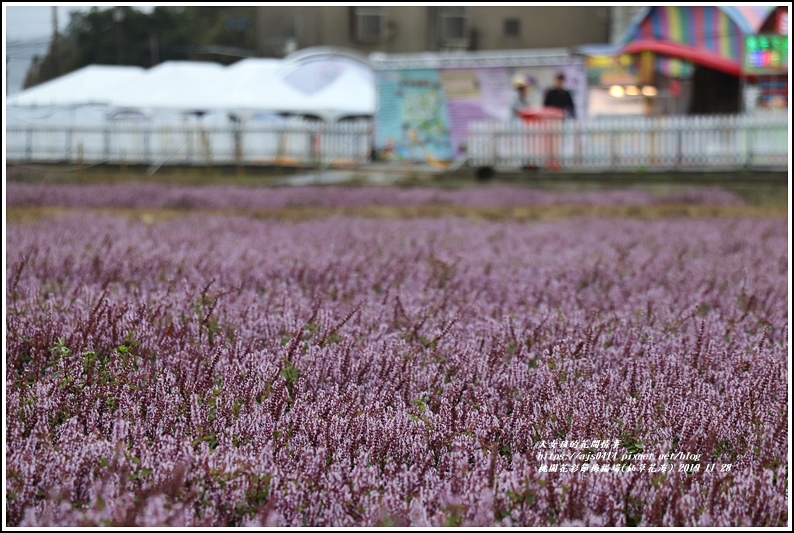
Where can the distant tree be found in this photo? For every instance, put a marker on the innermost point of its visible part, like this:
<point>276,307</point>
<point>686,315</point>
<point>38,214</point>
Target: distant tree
<point>131,37</point>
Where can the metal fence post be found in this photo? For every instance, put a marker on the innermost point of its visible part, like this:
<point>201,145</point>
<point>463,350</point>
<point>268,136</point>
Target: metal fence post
<point>80,168</point>
<point>281,145</point>
<point>315,157</point>
<point>750,140</point>
<point>107,142</point>
<point>189,133</point>
<point>613,156</point>
<point>147,150</point>
<point>495,149</point>
<point>238,148</point>
<point>69,140</point>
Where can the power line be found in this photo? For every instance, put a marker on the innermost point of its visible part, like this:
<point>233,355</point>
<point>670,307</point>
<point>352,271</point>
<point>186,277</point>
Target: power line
<point>26,45</point>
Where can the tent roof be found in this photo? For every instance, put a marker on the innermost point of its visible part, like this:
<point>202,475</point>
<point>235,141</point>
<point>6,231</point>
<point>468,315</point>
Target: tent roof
<point>327,87</point>
<point>255,85</point>
<point>171,85</point>
<point>323,82</point>
<point>712,36</point>
<point>94,84</point>
<point>332,86</point>
<point>351,93</point>
<point>749,19</point>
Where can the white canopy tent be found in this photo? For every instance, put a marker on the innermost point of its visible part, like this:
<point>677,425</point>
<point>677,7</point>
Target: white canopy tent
<point>172,85</point>
<point>323,83</point>
<point>352,94</point>
<point>326,87</point>
<point>252,86</point>
<point>80,97</point>
<point>94,84</point>
<point>335,85</point>
<point>72,115</point>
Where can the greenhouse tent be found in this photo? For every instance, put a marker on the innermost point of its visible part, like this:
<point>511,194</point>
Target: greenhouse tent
<point>94,84</point>
<point>252,86</point>
<point>172,85</point>
<point>336,87</point>
<point>323,83</point>
<point>326,86</point>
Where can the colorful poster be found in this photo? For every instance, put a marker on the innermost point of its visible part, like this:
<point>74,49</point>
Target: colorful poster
<point>423,114</point>
<point>413,123</point>
<point>604,71</point>
<point>474,94</point>
<point>766,54</point>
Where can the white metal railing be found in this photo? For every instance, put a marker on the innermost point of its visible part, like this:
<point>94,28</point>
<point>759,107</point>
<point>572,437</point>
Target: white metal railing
<point>298,143</point>
<point>632,143</point>
<point>620,143</point>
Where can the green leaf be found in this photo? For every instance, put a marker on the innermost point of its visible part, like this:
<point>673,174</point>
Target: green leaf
<point>140,474</point>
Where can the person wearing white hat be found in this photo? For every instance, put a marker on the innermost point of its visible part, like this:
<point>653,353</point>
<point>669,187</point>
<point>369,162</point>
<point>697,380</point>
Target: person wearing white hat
<point>520,98</point>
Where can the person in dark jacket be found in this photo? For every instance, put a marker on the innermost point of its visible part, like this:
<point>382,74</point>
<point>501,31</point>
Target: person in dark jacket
<point>560,98</point>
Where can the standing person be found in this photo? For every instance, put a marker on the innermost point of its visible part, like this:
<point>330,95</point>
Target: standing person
<point>560,97</point>
<point>521,102</point>
<point>521,96</point>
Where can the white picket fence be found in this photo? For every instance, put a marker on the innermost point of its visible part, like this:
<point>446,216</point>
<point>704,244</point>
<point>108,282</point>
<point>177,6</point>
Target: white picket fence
<point>621,143</point>
<point>634,143</point>
<point>287,143</point>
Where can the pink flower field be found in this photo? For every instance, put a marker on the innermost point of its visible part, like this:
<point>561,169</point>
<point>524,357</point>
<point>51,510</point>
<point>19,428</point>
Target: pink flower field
<point>211,370</point>
<point>159,195</point>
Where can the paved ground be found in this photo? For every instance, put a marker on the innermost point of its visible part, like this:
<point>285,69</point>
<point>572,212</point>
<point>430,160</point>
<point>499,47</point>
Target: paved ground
<point>398,174</point>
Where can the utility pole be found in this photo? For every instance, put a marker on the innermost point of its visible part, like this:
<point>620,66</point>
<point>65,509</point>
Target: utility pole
<point>118,18</point>
<point>154,49</point>
<point>56,45</point>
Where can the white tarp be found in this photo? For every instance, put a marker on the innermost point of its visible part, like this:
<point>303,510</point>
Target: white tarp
<point>329,86</point>
<point>94,84</point>
<point>73,115</point>
<point>350,94</point>
<point>334,86</point>
<point>254,85</point>
<point>183,85</point>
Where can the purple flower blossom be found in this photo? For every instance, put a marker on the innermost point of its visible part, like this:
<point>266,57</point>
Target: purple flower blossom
<point>221,370</point>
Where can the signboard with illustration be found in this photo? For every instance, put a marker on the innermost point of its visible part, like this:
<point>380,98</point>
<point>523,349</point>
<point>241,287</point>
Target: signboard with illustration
<point>412,119</point>
<point>423,113</point>
<point>766,54</point>
<point>607,70</point>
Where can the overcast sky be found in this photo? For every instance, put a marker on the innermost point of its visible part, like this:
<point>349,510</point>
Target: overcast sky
<point>27,29</point>
<point>34,21</point>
